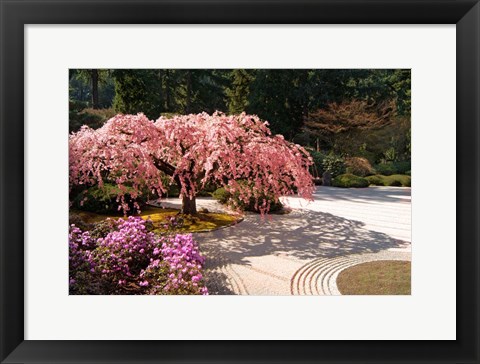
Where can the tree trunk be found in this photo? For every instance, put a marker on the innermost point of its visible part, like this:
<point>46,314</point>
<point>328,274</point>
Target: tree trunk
<point>188,101</point>
<point>94,89</point>
<point>167,91</point>
<point>189,206</point>
<point>160,90</point>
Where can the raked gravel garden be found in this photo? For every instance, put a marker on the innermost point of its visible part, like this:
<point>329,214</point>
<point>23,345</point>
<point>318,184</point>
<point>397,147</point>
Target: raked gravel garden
<point>304,251</point>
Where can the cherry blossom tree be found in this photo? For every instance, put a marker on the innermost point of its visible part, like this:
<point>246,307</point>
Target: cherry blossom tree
<point>237,152</point>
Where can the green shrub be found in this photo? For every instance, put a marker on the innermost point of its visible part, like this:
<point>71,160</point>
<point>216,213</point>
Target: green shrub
<point>393,180</point>
<point>385,169</point>
<point>398,180</point>
<point>105,114</point>
<point>316,169</point>
<point>395,183</point>
<point>102,200</point>
<point>77,120</point>
<point>390,154</point>
<point>359,166</point>
<point>389,168</point>
<point>334,164</point>
<point>408,173</point>
<point>174,191</point>
<point>94,118</point>
<point>349,180</point>
<point>402,167</point>
<point>376,180</point>
<point>224,197</point>
<point>76,105</point>
<point>207,191</point>
<point>221,195</point>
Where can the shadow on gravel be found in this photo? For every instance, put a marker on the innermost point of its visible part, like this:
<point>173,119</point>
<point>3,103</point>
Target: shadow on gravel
<point>216,283</point>
<point>303,234</point>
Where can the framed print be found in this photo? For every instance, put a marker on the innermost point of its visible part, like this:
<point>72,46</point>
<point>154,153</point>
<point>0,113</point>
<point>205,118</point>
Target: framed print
<point>176,174</point>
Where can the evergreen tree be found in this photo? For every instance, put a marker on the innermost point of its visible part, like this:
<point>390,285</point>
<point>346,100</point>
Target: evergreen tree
<point>239,90</point>
<point>276,96</point>
<point>201,90</point>
<point>138,91</point>
<point>94,79</point>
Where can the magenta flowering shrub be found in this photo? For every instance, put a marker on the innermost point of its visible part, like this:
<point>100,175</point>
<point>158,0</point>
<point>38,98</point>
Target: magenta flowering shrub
<point>124,252</point>
<point>81,262</point>
<point>182,262</point>
<point>130,260</point>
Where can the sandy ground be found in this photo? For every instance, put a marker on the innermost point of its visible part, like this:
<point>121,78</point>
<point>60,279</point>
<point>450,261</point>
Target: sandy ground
<point>303,252</point>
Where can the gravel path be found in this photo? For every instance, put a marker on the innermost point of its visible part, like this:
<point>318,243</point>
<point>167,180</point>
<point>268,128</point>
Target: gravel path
<point>303,252</point>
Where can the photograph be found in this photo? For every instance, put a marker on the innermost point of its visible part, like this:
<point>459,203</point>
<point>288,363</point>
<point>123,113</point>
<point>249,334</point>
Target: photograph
<point>231,181</point>
<point>263,182</point>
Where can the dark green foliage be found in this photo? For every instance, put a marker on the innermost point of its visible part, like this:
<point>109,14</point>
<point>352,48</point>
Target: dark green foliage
<point>201,90</point>
<point>224,197</point>
<point>174,191</point>
<point>239,91</point>
<point>392,180</point>
<point>154,92</point>
<point>402,167</point>
<point>395,183</point>
<point>334,164</point>
<point>349,180</point>
<point>281,97</point>
<point>386,169</point>
<point>89,117</point>
<point>207,191</point>
<point>400,83</point>
<point>316,169</point>
<point>101,200</point>
<point>286,98</point>
<point>390,168</point>
<point>137,91</point>
<point>75,106</point>
<point>221,195</point>
<point>376,180</point>
<point>84,118</point>
<point>403,180</point>
<point>81,87</point>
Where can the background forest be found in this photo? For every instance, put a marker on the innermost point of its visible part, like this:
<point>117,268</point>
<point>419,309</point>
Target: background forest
<point>362,114</point>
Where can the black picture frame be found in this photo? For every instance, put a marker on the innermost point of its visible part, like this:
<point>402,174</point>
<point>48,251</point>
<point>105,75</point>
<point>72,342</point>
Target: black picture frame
<point>16,13</point>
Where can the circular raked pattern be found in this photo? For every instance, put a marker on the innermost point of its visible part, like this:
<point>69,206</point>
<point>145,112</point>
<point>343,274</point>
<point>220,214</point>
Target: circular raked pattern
<point>319,276</point>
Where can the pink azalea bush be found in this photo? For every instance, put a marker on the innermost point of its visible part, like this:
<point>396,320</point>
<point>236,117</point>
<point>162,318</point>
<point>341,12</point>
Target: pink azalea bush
<point>81,261</point>
<point>130,260</point>
<point>134,153</point>
<point>183,263</point>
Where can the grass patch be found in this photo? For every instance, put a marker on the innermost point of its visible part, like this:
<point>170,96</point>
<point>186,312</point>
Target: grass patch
<point>385,277</point>
<point>191,223</point>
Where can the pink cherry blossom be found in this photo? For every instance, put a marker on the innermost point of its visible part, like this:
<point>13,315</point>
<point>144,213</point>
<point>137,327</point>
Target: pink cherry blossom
<point>191,150</point>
